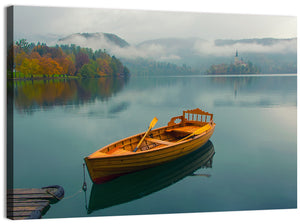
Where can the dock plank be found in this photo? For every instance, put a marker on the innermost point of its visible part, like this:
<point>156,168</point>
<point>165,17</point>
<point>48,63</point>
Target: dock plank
<point>26,191</point>
<point>31,203</point>
<point>18,200</point>
<point>28,204</point>
<point>25,208</point>
<point>21,213</point>
<point>30,196</point>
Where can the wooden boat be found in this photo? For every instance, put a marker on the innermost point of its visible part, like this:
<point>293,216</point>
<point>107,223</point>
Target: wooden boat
<point>181,136</point>
<point>140,184</point>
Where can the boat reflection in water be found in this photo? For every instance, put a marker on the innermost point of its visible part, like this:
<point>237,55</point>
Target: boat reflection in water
<point>139,184</point>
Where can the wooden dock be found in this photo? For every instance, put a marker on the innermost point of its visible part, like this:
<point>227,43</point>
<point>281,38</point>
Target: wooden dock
<point>32,203</point>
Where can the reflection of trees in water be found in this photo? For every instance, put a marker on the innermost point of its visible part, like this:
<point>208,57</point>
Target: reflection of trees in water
<point>253,84</point>
<point>236,83</point>
<point>257,91</point>
<point>37,94</point>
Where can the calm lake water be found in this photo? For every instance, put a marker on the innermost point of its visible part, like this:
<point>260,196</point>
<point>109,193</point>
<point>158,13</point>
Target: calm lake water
<point>250,163</point>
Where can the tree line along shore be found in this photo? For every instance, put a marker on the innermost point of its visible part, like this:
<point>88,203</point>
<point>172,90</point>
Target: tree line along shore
<point>29,61</point>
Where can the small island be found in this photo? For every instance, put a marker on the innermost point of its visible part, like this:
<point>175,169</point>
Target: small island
<point>238,67</point>
<point>30,61</point>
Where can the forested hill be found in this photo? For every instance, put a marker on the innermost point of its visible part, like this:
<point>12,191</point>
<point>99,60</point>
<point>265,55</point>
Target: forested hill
<point>42,61</point>
<point>94,40</point>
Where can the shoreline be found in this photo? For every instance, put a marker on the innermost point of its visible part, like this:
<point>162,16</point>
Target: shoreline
<point>44,78</point>
<point>68,77</point>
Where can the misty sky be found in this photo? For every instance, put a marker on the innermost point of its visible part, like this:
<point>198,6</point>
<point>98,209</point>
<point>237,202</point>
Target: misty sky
<point>41,23</point>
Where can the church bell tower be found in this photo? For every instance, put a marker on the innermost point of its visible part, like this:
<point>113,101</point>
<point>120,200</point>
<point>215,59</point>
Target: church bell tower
<point>236,58</point>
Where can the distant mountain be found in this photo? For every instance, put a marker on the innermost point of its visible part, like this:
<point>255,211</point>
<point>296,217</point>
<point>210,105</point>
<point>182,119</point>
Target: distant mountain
<point>262,41</point>
<point>94,40</point>
<point>270,55</point>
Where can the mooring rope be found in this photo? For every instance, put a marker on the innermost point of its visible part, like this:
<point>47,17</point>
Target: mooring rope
<point>49,192</point>
<point>72,196</point>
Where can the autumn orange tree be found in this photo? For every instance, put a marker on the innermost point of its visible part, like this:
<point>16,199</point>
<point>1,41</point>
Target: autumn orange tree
<point>30,67</point>
<point>34,65</point>
<point>54,61</point>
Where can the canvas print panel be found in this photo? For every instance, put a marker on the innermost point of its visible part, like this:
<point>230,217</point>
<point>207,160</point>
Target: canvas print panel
<point>130,112</point>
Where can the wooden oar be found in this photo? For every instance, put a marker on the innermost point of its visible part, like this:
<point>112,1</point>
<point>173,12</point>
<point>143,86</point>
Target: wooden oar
<point>152,124</point>
<point>197,132</point>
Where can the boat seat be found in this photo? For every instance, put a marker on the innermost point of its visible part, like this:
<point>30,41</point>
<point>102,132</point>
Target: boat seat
<point>184,130</point>
<point>154,140</point>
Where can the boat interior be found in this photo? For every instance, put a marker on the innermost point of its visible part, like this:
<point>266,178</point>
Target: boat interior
<point>181,128</point>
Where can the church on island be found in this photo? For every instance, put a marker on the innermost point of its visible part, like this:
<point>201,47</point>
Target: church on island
<point>238,67</point>
<point>237,61</point>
